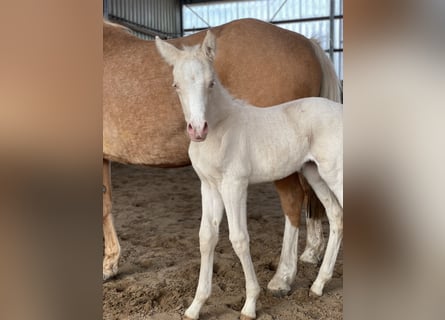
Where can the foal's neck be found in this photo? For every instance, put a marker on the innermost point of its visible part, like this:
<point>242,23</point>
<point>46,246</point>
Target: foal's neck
<point>221,103</point>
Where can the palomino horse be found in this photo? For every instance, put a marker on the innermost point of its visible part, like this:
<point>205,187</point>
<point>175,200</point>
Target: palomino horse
<point>143,122</point>
<point>235,144</point>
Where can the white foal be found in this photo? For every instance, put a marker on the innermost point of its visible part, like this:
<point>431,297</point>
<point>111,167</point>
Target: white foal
<point>234,145</point>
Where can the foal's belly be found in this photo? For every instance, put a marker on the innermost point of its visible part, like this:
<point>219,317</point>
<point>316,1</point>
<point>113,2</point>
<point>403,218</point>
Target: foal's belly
<point>278,158</point>
<point>274,171</point>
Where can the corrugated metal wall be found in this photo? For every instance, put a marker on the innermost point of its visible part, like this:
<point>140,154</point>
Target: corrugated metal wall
<point>314,16</point>
<point>267,10</point>
<point>162,17</point>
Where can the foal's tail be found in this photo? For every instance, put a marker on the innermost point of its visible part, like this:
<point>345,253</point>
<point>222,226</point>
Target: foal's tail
<point>330,84</point>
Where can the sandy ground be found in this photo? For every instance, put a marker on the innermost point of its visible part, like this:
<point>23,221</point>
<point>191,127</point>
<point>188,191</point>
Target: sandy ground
<point>157,216</point>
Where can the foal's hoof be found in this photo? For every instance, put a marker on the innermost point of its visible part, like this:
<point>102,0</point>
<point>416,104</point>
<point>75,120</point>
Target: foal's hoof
<point>278,287</point>
<point>309,256</point>
<point>243,317</point>
<point>280,293</point>
<point>187,318</point>
<point>315,294</point>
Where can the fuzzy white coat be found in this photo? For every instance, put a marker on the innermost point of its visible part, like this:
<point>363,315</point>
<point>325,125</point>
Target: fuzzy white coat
<point>234,145</point>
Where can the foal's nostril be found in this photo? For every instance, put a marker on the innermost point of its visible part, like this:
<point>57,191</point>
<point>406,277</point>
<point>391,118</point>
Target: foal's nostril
<point>189,127</point>
<point>206,127</point>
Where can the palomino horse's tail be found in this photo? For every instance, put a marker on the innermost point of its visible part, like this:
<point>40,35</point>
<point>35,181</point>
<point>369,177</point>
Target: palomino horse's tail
<point>330,84</point>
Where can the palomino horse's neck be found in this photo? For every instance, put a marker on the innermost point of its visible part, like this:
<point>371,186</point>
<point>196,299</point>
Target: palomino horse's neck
<point>221,104</point>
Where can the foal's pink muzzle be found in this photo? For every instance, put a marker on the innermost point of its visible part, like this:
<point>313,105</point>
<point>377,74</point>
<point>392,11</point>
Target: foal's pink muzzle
<point>199,132</point>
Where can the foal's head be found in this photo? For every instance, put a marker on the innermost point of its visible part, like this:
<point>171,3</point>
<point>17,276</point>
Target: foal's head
<point>194,78</point>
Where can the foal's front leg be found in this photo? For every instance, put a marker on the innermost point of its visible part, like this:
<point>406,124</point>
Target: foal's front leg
<point>212,211</point>
<point>234,193</point>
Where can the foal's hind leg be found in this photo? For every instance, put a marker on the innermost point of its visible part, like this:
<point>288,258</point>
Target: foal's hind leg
<point>335,215</point>
<point>291,197</point>
<point>296,197</point>
<point>314,211</point>
<point>111,242</point>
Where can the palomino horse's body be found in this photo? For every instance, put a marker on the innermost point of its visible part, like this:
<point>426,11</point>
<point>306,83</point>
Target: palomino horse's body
<point>235,144</point>
<point>142,119</point>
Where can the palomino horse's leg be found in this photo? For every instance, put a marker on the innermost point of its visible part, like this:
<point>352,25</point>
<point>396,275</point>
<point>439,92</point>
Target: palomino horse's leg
<point>314,212</point>
<point>234,193</point>
<point>111,242</point>
<point>334,212</point>
<point>291,197</point>
<point>212,212</point>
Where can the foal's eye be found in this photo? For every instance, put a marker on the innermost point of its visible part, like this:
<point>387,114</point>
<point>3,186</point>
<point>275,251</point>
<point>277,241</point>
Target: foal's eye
<point>212,84</point>
<point>175,85</point>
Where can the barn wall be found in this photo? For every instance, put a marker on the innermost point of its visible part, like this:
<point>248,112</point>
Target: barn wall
<point>169,19</point>
<point>312,18</point>
<point>152,17</point>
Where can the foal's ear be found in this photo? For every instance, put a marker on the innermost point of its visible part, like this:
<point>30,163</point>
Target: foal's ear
<point>169,52</point>
<point>208,46</point>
